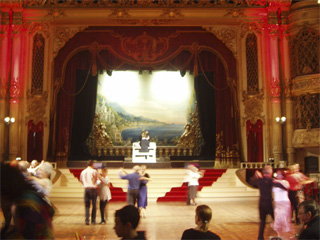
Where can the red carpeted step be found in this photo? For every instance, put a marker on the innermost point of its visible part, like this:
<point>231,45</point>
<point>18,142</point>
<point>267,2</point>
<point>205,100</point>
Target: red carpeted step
<point>76,172</point>
<point>180,194</point>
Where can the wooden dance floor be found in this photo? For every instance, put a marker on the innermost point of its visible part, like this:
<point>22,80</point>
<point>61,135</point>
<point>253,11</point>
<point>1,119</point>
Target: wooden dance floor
<point>232,220</point>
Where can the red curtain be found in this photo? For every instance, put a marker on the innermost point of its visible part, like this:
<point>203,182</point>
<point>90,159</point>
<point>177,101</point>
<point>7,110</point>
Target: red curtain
<point>35,141</point>
<point>80,61</point>
<point>255,141</point>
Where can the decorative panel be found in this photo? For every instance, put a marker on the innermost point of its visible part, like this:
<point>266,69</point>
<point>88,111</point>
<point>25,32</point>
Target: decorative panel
<point>304,52</point>
<point>307,111</point>
<point>252,64</point>
<point>37,64</point>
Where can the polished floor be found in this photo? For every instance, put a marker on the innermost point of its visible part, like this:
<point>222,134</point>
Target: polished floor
<point>232,220</point>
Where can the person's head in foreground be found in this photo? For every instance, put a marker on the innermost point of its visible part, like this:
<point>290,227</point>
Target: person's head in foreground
<point>126,222</point>
<point>308,210</point>
<point>203,217</point>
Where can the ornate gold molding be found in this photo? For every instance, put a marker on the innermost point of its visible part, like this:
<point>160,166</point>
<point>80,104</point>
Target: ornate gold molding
<point>294,28</point>
<point>36,107</point>
<point>145,48</point>
<point>303,138</point>
<point>306,84</point>
<point>140,3</point>
<point>188,138</point>
<point>253,107</point>
<point>3,87</point>
<point>55,13</point>
<point>171,13</point>
<point>120,13</point>
<point>39,27</point>
<point>144,22</point>
<point>250,27</point>
<point>235,12</point>
<point>62,35</point>
<point>227,35</point>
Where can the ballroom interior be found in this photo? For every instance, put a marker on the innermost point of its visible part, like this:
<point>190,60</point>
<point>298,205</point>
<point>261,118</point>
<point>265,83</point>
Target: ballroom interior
<point>254,71</point>
<point>255,66</point>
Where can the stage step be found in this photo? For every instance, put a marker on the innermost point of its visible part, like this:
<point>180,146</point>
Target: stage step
<point>228,187</point>
<point>68,188</point>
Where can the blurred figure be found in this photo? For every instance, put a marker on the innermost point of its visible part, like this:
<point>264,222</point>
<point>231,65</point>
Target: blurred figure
<point>33,167</point>
<point>23,166</point>
<point>143,191</point>
<point>41,181</point>
<point>264,182</point>
<point>296,180</point>
<point>33,215</point>
<point>104,193</point>
<point>126,222</point>
<point>89,178</point>
<point>308,213</point>
<point>282,206</point>
<point>202,220</point>
<point>133,184</point>
<point>7,206</point>
<point>193,182</point>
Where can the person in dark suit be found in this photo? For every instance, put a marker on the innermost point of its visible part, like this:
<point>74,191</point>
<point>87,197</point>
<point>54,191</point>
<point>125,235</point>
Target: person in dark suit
<point>265,183</point>
<point>144,142</point>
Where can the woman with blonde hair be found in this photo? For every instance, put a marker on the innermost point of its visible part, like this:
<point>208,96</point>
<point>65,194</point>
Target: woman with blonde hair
<point>201,231</point>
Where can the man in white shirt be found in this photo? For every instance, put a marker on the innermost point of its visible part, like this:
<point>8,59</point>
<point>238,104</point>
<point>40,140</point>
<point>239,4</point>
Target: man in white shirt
<point>89,178</point>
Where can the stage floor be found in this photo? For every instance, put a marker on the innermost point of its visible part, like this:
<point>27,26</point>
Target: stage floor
<point>234,220</point>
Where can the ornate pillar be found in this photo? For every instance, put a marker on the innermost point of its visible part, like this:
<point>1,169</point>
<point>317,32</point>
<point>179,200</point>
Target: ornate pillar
<point>274,80</point>
<point>15,83</point>
<point>4,76</point>
<point>287,96</point>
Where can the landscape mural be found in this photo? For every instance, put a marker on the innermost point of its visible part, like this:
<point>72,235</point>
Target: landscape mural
<point>131,101</point>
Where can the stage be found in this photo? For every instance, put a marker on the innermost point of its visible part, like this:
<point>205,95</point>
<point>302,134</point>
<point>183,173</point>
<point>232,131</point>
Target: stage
<point>160,163</point>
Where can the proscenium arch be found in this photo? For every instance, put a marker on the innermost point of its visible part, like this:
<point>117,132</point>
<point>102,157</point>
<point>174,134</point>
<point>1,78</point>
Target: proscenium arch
<point>194,46</point>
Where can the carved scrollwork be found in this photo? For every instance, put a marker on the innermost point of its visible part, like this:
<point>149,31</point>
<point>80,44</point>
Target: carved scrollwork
<point>303,138</point>
<point>62,35</point>
<point>235,13</point>
<point>227,35</point>
<point>145,22</point>
<point>187,139</point>
<point>119,13</point>
<point>249,27</point>
<point>171,13</point>
<point>36,107</point>
<point>306,84</point>
<point>39,27</point>
<point>145,48</point>
<point>99,137</point>
<point>55,13</point>
<point>253,107</point>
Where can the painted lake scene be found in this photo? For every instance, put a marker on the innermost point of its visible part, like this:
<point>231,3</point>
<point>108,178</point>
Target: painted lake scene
<point>129,102</point>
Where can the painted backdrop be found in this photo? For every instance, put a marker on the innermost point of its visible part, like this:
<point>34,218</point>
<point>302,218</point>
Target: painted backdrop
<point>158,101</point>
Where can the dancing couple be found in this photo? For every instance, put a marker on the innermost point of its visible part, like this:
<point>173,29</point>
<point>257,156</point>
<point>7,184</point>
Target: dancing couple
<point>137,187</point>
